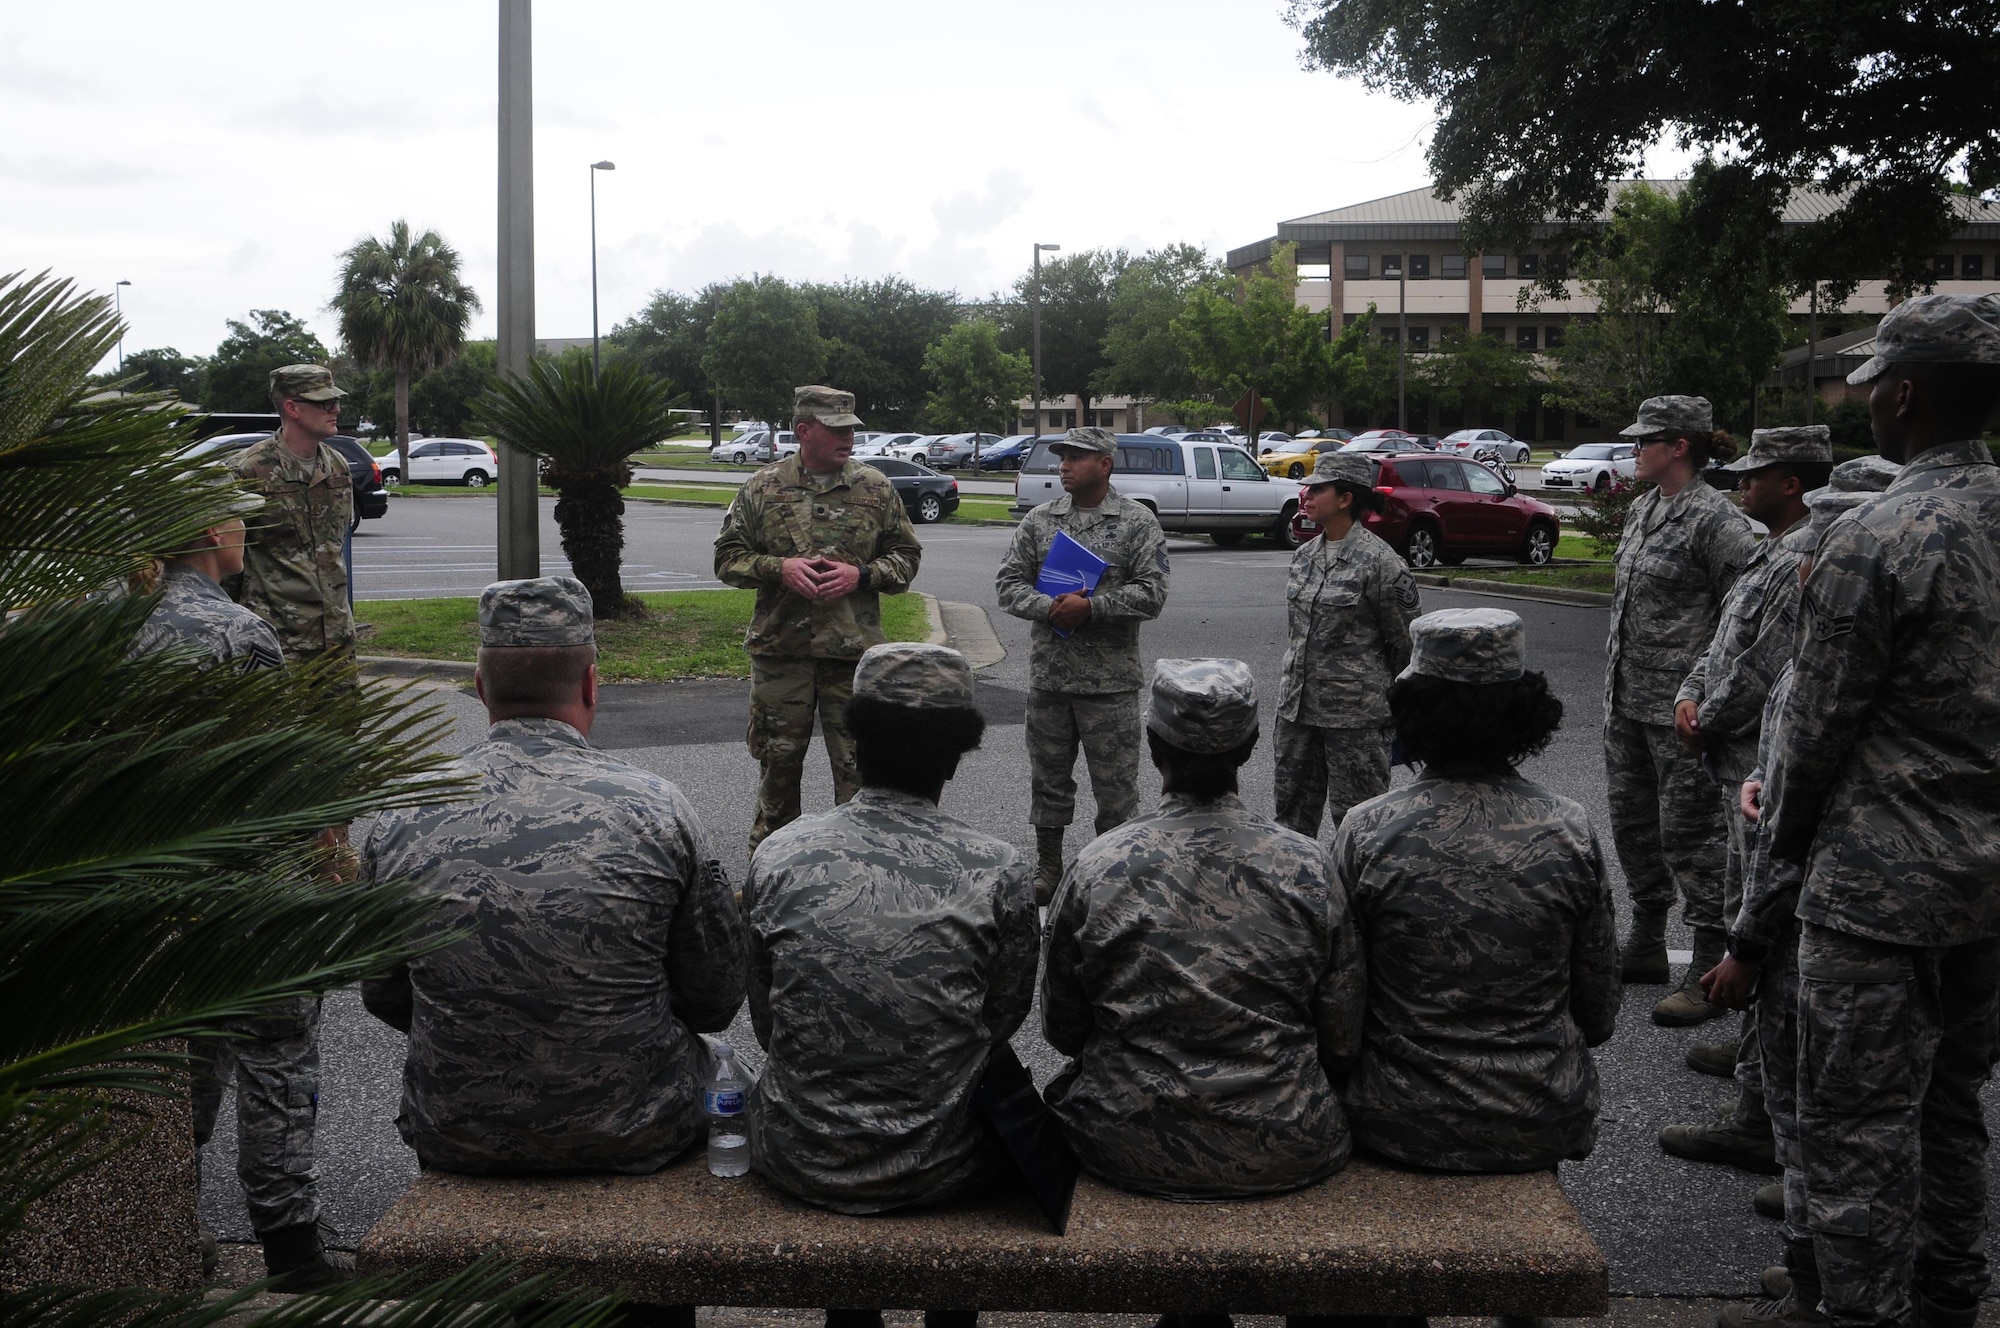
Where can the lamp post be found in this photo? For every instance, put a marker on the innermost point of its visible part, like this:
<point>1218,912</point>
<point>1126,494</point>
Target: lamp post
<point>596,362</point>
<point>1402,334</point>
<point>1035,299</point>
<point>118,307</point>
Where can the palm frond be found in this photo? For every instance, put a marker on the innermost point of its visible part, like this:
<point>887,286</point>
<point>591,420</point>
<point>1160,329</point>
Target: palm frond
<point>575,419</point>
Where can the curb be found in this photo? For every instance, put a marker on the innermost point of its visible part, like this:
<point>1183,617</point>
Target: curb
<point>402,666</point>
<point>935,615</point>
<point>1589,599</point>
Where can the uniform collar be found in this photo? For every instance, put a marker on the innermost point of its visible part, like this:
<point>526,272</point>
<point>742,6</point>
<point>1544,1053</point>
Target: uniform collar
<point>504,730</point>
<point>793,473</point>
<point>1181,802</point>
<point>1064,505</point>
<point>896,799</point>
<point>1967,452</point>
<point>193,581</point>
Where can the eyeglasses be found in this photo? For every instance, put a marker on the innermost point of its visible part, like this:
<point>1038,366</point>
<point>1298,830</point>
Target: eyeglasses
<point>330,407</point>
<point>1644,443</point>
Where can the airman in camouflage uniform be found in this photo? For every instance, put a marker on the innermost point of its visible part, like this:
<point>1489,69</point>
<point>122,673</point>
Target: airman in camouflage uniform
<point>1677,560</point>
<point>1084,686</point>
<point>1349,601</point>
<point>1201,970</point>
<point>294,575</point>
<point>1485,916</point>
<point>274,1058</point>
<point>892,946</point>
<point>559,1033</point>
<point>1890,747</point>
<point>820,538</point>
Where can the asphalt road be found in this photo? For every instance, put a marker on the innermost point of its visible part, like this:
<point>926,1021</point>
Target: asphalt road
<point>1667,1227</point>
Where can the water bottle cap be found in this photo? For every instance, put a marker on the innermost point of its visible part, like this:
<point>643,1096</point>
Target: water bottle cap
<point>724,1049</point>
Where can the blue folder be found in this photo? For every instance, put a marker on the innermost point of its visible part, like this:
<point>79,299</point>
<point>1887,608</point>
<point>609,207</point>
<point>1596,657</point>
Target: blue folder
<point>1069,569</point>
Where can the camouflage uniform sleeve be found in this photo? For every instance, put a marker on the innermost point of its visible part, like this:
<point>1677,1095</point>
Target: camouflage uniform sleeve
<point>1735,700</point>
<point>1012,989</point>
<point>739,559</point>
<point>1014,585</point>
<point>705,947</point>
<point>898,551</point>
<point>1595,985</point>
<point>388,997</point>
<point>1065,1008</point>
<point>1843,655</point>
<point>1695,686</point>
<point>1396,601</point>
<point>1341,1001</point>
<point>1728,550</point>
<point>1144,593</point>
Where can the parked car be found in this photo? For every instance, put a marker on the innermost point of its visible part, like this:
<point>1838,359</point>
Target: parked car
<point>464,461</point>
<point>1271,440</point>
<point>752,449</point>
<point>952,450</point>
<point>1593,466</point>
<point>1194,487</point>
<point>1382,441</point>
<point>918,449</point>
<point>363,470</point>
<point>1468,441</point>
<point>1295,461</point>
<point>1009,453</point>
<point>928,496</point>
<point>1443,509</point>
<point>879,444</point>
<point>1169,430</point>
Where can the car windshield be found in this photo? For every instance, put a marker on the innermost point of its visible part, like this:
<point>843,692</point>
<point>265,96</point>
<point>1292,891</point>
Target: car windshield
<point>1591,452</point>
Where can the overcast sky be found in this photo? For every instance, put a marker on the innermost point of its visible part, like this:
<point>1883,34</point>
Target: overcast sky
<point>220,155</point>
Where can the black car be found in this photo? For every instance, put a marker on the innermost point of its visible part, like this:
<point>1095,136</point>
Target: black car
<point>370,499</point>
<point>929,496</point>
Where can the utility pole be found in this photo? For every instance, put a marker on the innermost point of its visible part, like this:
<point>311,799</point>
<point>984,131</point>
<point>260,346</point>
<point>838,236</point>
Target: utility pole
<point>520,479</point>
<point>596,361</point>
<point>1402,337</point>
<point>1035,298</point>
<point>1812,353</point>
<point>118,309</point>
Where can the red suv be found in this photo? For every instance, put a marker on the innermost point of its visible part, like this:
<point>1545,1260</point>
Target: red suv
<point>1442,509</point>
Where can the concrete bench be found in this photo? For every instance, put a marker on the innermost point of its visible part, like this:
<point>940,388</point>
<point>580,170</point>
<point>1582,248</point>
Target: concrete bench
<point>1372,1240</point>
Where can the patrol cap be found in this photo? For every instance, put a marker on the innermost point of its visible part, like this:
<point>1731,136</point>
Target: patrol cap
<point>829,405</point>
<point>305,382</point>
<point>1864,474</point>
<point>1090,438</point>
<point>1468,645</point>
<point>1203,705</point>
<point>1675,415</point>
<point>1776,447</point>
<point>1825,506</point>
<point>914,673</point>
<point>1936,329</point>
<point>1354,467</point>
<point>542,611</point>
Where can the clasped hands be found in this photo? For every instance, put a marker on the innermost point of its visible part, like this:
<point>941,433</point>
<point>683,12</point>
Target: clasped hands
<point>1069,612</point>
<point>821,578</point>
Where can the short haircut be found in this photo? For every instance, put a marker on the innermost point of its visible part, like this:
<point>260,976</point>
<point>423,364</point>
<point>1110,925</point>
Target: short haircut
<point>1487,725</point>
<point>1810,474</point>
<point>1970,392</point>
<point>1203,776</point>
<point>517,676</point>
<point>1365,497</point>
<point>911,749</point>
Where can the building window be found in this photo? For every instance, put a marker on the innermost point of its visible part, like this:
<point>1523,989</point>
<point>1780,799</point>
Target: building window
<point>1452,267</point>
<point>1392,266</point>
<point>1552,337</point>
<point>1526,336</point>
<point>1530,265</point>
<point>1356,267</point>
<point>1420,338</point>
<point>1062,419</point>
<point>1972,267</point>
<point>1028,422</point>
<point>1104,419</point>
<point>1389,333</point>
<point>1498,331</point>
<point>1941,266</point>
<point>1315,271</point>
<point>1420,267</point>
<point>1493,266</point>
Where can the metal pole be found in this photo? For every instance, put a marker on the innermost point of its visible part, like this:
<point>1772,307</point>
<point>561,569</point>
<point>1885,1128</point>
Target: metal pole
<point>596,360</point>
<point>1812,352</point>
<point>1035,302</point>
<point>118,308</point>
<point>518,503</point>
<point>1402,336</point>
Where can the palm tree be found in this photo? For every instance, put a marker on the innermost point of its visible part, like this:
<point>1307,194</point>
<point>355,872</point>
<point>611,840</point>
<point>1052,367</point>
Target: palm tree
<point>402,306</point>
<point>160,815</point>
<point>583,426</point>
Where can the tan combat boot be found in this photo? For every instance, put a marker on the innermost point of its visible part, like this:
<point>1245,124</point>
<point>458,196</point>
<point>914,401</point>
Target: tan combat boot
<point>1644,956</point>
<point>1048,863</point>
<point>1690,1004</point>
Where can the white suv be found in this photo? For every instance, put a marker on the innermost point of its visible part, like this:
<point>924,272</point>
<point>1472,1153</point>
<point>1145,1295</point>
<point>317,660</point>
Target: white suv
<point>464,461</point>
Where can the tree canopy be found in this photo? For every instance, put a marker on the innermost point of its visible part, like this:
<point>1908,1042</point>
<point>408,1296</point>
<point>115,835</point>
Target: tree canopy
<point>1542,102</point>
<point>1143,358</point>
<point>1076,316</point>
<point>978,383</point>
<point>763,343</point>
<point>877,334</point>
<point>238,375</point>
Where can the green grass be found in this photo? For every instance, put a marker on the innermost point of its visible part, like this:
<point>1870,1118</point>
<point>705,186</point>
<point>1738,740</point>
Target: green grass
<point>682,634</point>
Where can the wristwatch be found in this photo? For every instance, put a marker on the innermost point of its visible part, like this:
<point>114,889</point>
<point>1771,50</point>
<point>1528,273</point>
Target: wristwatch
<point>867,579</point>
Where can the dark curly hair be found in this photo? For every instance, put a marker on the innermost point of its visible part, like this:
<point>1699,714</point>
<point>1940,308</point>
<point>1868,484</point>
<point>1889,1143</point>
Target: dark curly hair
<point>1203,776</point>
<point>908,748</point>
<point>1491,725</point>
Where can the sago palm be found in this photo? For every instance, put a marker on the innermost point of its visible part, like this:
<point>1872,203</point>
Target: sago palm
<point>158,877</point>
<point>402,306</point>
<point>584,426</point>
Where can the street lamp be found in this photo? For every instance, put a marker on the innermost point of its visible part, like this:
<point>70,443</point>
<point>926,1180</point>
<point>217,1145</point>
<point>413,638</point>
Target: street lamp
<point>1035,299</point>
<point>1402,332</point>
<point>118,307</point>
<point>596,362</point>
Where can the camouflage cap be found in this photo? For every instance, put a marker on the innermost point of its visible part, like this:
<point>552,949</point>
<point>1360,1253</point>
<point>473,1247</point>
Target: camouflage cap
<point>305,382</point>
<point>1775,447</point>
<point>1825,506</point>
<point>1354,467</point>
<point>914,673</point>
<point>1864,474</point>
<point>1677,415</point>
<point>544,611</point>
<point>1468,645</point>
<point>1090,438</point>
<point>1203,705</point>
<point>1936,329</point>
<point>829,405</point>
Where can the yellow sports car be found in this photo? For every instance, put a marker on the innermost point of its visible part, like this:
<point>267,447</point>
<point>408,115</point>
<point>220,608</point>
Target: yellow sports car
<point>1295,460</point>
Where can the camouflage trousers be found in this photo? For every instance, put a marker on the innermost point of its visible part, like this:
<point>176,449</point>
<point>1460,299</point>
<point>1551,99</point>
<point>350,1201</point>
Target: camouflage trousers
<point>1895,1043</point>
<point>275,1062</point>
<point>1776,1015</point>
<point>1107,727</point>
<point>785,693</point>
<point>1323,767</point>
<point>1666,821</point>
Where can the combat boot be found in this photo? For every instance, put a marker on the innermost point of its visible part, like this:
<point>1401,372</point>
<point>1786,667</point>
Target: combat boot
<point>1048,863</point>
<point>1644,956</point>
<point>1690,1005</point>
<point>298,1257</point>
<point>1796,1307</point>
<point>1716,1058</point>
<point>1769,1201</point>
<point>1740,1139</point>
<point>1934,1314</point>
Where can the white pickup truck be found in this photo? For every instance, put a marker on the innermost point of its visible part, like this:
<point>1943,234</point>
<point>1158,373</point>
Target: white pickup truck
<point>1194,488</point>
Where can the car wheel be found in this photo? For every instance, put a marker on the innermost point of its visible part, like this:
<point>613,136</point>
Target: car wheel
<point>1421,548</point>
<point>920,458</point>
<point>1521,455</point>
<point>355,524</point>
<point>1602,483</point>
<point>930,509</point>
<point>1284,532</point>
<point>392,477</point>
<point>1541,546</point>
<point>475,479</point>
<point>740,458</point>
<point>1295,471</point>
<point>1228,539</point>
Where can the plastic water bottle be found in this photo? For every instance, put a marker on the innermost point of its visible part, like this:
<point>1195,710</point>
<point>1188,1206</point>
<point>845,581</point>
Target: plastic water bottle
<point>722,1103</point>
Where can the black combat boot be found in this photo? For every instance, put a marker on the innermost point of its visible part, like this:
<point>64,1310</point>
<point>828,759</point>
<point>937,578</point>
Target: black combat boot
<point>299,1259</point>
<point>1048,863</point>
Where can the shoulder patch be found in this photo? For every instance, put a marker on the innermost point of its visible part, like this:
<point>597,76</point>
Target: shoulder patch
<point>1826,626</point>
<point>1407,595</point>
